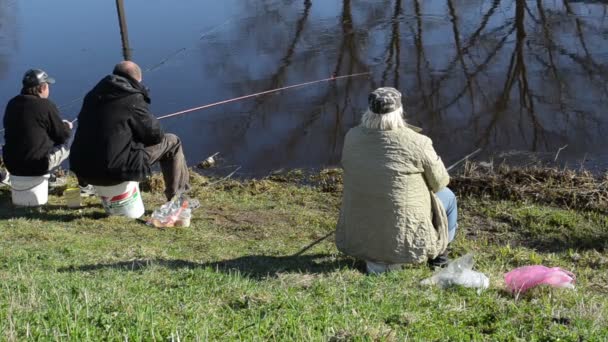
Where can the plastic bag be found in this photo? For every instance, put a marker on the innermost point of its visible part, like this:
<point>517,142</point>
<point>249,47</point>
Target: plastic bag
<point>459,272</point>
<point>176,212</point>
<point>524,278</point>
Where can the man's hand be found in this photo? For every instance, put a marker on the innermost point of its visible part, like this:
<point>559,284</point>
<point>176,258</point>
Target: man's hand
<point>68,123</point>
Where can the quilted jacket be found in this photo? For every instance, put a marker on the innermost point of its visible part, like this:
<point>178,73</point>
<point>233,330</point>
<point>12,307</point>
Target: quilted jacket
<point>389,211</point>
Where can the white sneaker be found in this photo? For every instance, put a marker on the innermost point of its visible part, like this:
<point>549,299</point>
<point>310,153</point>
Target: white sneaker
<point>87,191</point>
<point>4,178</point>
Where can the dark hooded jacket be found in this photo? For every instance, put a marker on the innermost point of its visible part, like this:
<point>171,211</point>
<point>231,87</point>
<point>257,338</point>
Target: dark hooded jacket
<point>114,127</point>
<point>32,129</point>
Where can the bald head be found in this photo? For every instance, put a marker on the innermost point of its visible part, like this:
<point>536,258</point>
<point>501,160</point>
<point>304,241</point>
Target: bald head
<point>128,68</point>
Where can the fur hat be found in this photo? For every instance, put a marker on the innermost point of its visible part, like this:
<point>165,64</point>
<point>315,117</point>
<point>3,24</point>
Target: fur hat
<point>384,100</point>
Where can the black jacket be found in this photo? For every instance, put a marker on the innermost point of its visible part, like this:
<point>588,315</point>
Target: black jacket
<point>114,126</point>
<point>32,128</point>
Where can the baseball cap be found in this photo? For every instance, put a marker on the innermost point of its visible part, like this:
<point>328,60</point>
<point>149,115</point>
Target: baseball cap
<point>34,77</point>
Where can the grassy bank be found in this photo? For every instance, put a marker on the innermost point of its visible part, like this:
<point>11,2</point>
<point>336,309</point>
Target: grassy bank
<point>78,275</point>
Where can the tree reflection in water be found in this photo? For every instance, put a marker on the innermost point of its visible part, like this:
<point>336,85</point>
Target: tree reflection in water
<point>505,74</point>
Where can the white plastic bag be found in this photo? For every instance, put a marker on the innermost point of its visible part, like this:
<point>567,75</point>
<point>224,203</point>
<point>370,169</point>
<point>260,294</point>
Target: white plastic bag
<point>459,272</point>
<point>176,212</point>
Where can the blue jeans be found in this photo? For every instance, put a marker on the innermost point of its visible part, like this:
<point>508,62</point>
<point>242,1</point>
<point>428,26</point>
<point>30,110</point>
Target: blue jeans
<point>448,199</point>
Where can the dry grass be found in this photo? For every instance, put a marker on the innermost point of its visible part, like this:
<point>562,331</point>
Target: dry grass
<point>571,189</point>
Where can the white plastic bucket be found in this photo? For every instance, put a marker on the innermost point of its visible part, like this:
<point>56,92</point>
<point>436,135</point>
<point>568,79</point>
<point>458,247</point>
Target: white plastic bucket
<point>30,191</point>
<point>123,199</point>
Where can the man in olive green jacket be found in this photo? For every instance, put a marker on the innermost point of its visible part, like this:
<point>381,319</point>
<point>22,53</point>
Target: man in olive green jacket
<point>395,197</point>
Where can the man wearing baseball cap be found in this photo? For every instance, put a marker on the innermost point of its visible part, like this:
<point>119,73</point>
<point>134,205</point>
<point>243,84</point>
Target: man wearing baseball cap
<point>35,136</point>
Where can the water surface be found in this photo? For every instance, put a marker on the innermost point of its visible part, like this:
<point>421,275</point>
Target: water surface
<point>502,75</point>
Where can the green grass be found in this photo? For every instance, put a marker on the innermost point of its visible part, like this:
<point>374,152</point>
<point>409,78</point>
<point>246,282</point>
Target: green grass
<point>77,275</point>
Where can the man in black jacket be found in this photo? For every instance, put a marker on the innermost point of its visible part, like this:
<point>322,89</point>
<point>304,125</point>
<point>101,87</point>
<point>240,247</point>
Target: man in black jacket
<point>118,139</point>
<point>35,137</point>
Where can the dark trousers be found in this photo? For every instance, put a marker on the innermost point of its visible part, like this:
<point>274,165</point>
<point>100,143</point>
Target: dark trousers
<point>170,155</point>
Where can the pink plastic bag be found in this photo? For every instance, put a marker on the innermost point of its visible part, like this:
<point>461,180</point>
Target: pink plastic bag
<point>524,278</point>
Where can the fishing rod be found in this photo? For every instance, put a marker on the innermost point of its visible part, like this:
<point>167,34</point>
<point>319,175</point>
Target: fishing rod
<point>463,159</point>
<point>321,239</point>
<point>329,79</point>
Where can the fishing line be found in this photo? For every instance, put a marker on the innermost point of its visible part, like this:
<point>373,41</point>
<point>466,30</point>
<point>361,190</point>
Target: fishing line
<point>178,52</point>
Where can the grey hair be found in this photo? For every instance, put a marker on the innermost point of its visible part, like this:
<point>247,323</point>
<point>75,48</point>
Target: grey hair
<point>385,122</point>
